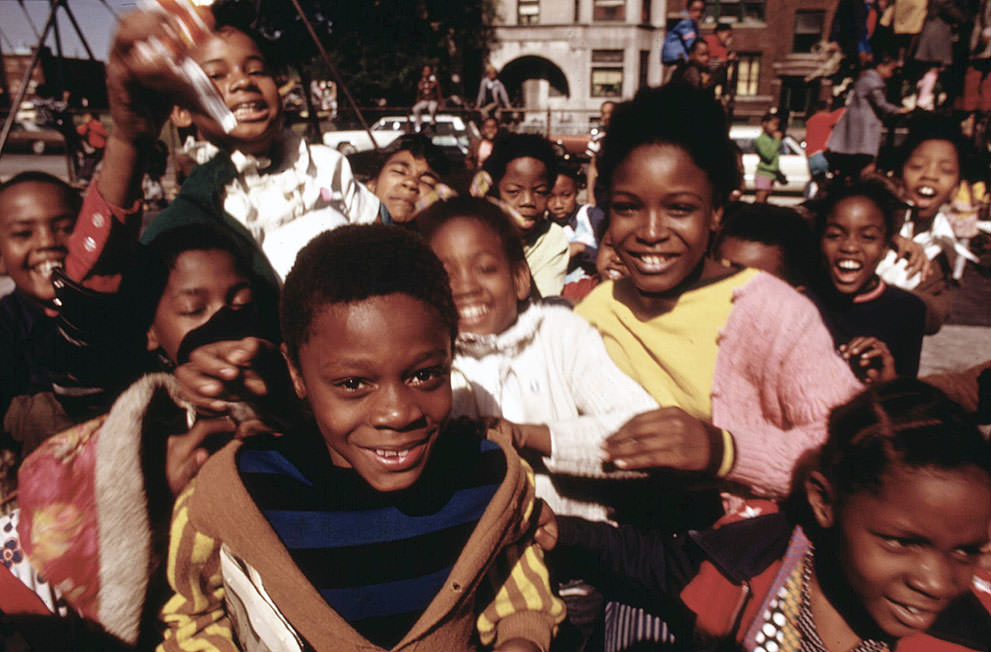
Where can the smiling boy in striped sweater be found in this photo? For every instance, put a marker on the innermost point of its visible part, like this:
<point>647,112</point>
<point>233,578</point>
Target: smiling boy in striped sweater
<point>377,523</point>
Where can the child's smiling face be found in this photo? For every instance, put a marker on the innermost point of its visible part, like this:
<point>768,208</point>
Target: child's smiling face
<point>608,264</point>
<point>909,549</point>
<point>490,129</point>
<point>853,243</point>
<point>930,175</point>
<point>525,187</point>
<point>239,71</point>
<point>36,220</point>
<point>376,374</point>
<point>484,283</point>
<point>661,214</point>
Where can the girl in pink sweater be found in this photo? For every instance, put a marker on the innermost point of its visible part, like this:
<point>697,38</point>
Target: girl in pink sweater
<point>741,363</point>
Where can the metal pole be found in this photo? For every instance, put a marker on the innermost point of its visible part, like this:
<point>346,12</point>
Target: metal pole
<point>333,70</point>
<point>22,91</point>
<point>59,61</point>
<point>75,25</point>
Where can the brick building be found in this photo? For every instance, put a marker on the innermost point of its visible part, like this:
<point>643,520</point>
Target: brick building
<point>571,55</point>
<point>776,42</point>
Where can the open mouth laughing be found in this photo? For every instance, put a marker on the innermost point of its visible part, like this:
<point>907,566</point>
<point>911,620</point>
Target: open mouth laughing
<point>472,314</point>
<point>847,271</point>
<point>252,111</point>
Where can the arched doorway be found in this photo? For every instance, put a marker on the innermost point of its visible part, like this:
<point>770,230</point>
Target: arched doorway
<point>530,79</point>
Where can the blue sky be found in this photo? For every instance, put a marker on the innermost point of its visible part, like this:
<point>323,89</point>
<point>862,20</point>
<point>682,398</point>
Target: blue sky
<point>94,18</point>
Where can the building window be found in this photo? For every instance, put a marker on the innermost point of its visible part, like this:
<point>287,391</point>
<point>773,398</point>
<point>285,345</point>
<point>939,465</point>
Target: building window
<point>645,11</point>
<point>747,74</point>
<point>609,10</point>
<point>607,81</point>
<point>734,11</point>
<point>528,12</point>
<point>808,29</point>
<point>644,69</point>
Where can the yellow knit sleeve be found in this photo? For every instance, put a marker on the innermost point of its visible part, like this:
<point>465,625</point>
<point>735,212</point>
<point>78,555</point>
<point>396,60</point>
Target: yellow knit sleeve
<point>195,615</point>
<point>524,606</point>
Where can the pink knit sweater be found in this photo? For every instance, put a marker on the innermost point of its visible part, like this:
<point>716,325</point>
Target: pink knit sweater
<point>776,378</point>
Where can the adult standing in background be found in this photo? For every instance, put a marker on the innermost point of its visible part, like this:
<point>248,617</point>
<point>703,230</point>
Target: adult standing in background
<point>594,147</point>
<point>427,97</point>
<point>856,139</point>
<point>492,94</point>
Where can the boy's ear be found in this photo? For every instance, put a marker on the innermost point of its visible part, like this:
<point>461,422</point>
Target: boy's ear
<point>822,499</point>
<point>181,117</point>
<point>297,377</point>
<point>521,281</point>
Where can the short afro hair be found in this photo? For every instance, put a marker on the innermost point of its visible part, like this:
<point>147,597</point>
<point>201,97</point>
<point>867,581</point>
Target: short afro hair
<point>924,127</point>
<point>70,194</point>
<point>873,190</point>
<point>904,421</point>
<point>480,210</point>
<point>244,17</point>
<point>776,226</point>
<point>356,262</point>
<point>678,115</point>
<point>420,147</point>
<point>509,147</point>
<point>144,284</point>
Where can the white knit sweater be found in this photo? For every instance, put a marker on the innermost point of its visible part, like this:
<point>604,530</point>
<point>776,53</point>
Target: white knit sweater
<point>551,368</point>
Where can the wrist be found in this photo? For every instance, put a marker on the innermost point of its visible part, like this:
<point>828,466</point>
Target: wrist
<point>721,451</point>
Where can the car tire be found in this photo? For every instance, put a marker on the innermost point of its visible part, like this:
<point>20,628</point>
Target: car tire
<point>38,147</point>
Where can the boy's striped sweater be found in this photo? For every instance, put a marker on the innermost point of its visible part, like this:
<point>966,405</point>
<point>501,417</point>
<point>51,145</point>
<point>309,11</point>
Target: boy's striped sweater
<point>232,573</point>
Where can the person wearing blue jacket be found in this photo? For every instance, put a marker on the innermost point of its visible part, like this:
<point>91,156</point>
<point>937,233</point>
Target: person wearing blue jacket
<point>686,31</point>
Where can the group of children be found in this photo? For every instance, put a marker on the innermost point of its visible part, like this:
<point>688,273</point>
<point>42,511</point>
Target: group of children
<point>431,450</point>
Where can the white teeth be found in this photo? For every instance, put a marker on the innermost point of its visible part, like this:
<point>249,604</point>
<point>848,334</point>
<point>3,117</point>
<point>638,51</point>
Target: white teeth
<point>849,265</point>
<point>392,454</point>
<point>247,110</point>
<point>469,313</point>
<point>654,261</point>
<point>926,191</point>
<point>47,267</point>
<point>912,609</point>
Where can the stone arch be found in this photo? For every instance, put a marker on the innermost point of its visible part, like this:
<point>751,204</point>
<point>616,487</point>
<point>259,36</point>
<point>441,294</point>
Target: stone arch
<point>522,69</point>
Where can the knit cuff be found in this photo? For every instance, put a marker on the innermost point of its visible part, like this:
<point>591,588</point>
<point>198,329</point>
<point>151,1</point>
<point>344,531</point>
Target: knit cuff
<point>729,454</point>
<point>532,626</point>
<point>722,452</point>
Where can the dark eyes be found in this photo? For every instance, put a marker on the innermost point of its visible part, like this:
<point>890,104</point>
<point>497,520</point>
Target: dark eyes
<point>426,378</point>
<point>428,375</point>
<point>350,384</point>
<point>625,209</point>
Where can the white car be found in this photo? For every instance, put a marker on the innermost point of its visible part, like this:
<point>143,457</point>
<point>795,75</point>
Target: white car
<point>450,131</point>
<point>792,161</point>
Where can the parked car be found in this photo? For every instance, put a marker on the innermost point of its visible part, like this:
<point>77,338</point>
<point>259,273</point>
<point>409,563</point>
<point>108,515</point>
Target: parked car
<point>792,160</point>
<point>450,131</point>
